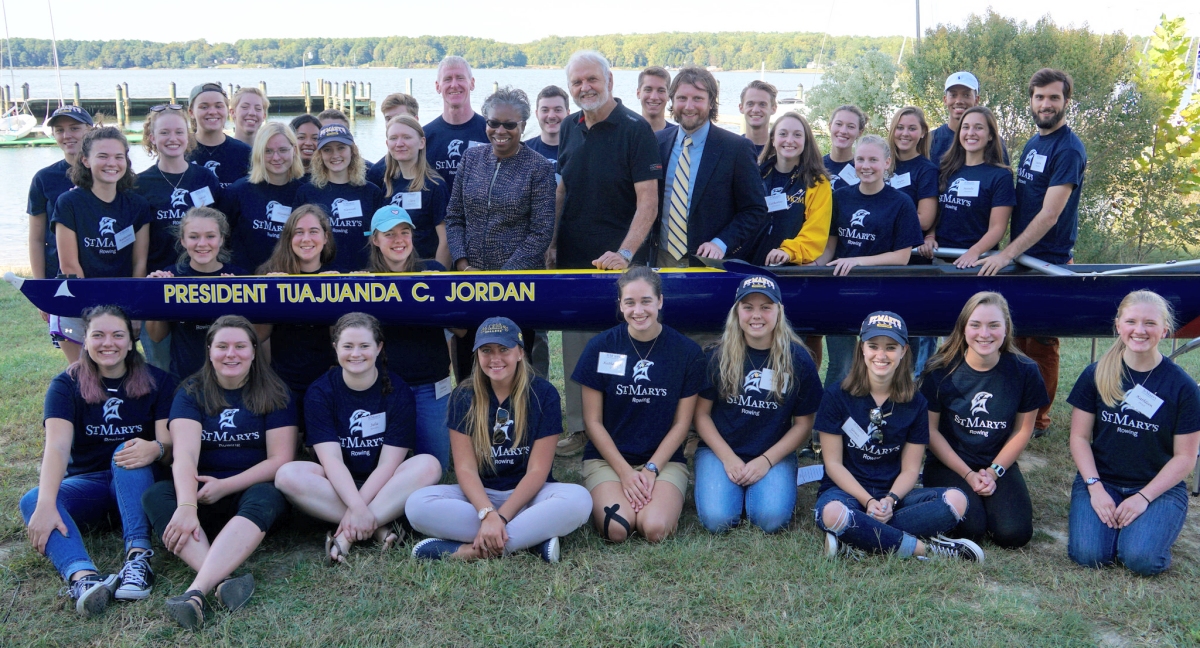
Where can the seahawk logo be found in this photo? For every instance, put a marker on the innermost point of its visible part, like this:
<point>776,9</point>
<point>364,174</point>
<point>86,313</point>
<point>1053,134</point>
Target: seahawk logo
<point>212,165</point>
<point>179,198</point>
<point>979,403</point>
<point>1125,405</point>
<point>776,191</point>
<point>752,381</point>
<point>454,148</point>
<point>859,216</point>
<point>956,185</point>
<point>398,199</point>
<point>106,226</point>
<point>272,206</point>
<point>1029,157</point>
<point>227,419</point>
<point>336,207</point>
<point>356,421</point>
<point>111,409</point>
<point>641,370</point>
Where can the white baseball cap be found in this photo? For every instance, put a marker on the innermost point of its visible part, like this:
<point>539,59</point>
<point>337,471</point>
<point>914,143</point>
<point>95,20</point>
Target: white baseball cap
<point>963,79</point>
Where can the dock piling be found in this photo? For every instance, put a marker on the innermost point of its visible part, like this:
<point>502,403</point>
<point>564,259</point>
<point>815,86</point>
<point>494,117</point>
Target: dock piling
<point>170,92</point>
<point>351,113</point>
<point>368,91</point>
<point>77,98</point>
<point>4,98</point>
<point>307,92</point>
<point>120,110</point>
<point>408,87</point>
<point>262,85</point>
<point>495,87</point>
<point>128,113</point>
<point>25,92</point>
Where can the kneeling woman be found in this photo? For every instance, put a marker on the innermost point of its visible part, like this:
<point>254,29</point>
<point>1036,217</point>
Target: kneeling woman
<point>983,396</point>
<point>106,425</point>
<point>874,427</point>
<point>360,421</point>
<point>762,395</point>
<point>1135,428</point>
<point>233,425</point>
<point>504,424</point>
<point>640,381</point>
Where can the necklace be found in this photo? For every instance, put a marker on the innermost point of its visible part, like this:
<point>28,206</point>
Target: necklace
<point>634,345</point>
<point>174,185</point>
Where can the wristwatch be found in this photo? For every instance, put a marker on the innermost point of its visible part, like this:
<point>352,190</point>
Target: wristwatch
<point>895,497</point>
<point>484,511</point>
<point>625,254</point>
<point>1091,480</point>
<point>651,467</point>
<point>998,469</point>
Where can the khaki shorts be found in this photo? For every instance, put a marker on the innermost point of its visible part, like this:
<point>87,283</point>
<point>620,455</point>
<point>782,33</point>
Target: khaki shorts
<point>597,471</point>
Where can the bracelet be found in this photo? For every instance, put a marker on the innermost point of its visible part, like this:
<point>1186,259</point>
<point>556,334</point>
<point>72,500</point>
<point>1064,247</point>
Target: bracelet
<point>769,462</point>
<point>161,450</point>
<point>871,500</point>
<point>179,504</point>
<point>964,476</point>
<point>501,517</point>
<point>1144,496</point>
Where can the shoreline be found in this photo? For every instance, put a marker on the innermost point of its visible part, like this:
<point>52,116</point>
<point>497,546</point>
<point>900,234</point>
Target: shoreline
<point>16,70</point>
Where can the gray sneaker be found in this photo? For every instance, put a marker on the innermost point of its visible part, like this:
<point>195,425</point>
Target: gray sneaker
<point>942,547</point>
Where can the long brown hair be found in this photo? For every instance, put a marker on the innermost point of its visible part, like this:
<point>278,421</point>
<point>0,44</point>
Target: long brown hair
<point>377,263</point>
<point>282,258</point>
<point>858,381</point>
<point>357,170</point>
<point>368,323</point>
<point>138,381</point>
<point>956,157</point>
<point>477,421</point>
<point>422,173</point>
<point>264,391</point>
<point>922,144</point>
<point>730,356</point>
<point>1110,370</point>
<point>81,176</point>
<point>811,169</point>
<point>954,349</point>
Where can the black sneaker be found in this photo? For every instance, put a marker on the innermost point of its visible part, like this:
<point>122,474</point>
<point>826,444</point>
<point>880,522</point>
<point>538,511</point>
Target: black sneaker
<point>137,579</point>
<point>434,548</point>
<point>943,547</point>
<point>91,593</point>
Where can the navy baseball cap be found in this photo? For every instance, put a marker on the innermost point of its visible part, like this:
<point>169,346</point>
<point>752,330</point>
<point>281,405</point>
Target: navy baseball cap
<point>759,284</point>
<point>885,323</point>
<point>387,217</point>
<point>74,112</point>
<point>498,330</point>
<point>334,133</point>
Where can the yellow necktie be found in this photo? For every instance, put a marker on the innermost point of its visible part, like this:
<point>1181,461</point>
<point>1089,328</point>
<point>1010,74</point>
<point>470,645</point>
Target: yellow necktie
<point>677,212</point>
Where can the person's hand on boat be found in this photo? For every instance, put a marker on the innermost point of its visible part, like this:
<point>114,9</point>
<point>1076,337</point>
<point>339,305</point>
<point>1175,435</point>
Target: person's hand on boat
<point>161,274</point>
<point>492,536</point>
<point>329,272</point>
<point>968,259</point>
<point>1104,506</point>
<point>928,247</point>
<point>463,266</point>
<point>44,521</point>
<point>137,453</point>
<point>993,264</point>
<point>841,267</point>
<point>551,257</point>
<point>777,257</point>
<point>212,491</point>
<point>637,487</point>
<point>1130,510</point>
<point>709,251</point>
<point>611,261</point>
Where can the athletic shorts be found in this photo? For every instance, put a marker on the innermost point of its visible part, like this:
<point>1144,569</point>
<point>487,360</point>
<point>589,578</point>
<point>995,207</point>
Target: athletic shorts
<point>597,471</point>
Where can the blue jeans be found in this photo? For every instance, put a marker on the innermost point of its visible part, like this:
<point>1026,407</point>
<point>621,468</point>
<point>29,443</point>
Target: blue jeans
<point>843,351</point>
<point>86,501</point>
<point>433,437</point>
<point>924,513</point>
<point>925,347</point>
<point>157,354</point>
<point>1144,546</point>
<point>768,503</point>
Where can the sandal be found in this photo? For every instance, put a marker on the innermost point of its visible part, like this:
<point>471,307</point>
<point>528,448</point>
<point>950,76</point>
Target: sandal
<point>234,591</point>
<point>189,609</point>
<point>389,536</point>
<point>334,551</point>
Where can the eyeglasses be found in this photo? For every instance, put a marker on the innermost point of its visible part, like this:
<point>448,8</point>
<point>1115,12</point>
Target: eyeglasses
<point>500,430</point>
<point>285,150</point>
<point>161,107</point>
<point>506,125</point>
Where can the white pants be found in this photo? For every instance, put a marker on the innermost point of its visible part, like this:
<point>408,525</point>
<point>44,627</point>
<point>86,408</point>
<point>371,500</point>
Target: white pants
<point>443,511</point>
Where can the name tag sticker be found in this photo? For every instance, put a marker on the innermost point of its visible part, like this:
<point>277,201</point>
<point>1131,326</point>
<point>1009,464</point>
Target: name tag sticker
<point>847,173</point>
<point>279,213</point>
<point>1038,164</point>
<point>125,237</point>
<point>902,180</point>
<point>202,197</point>
<point>612,364</point>
<point>1143,401</point>
<point>858,438</point>
<point>411,200</point>
<point>350,209</point>
<point>374,424</point>
<point>968,189</point>
<point>441,388</point>
<point>777,202</point>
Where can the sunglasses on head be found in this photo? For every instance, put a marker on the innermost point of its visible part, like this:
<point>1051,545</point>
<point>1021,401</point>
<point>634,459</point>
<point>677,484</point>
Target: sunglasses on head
<point>162,107</point>
<point>506,125</point>
<point>499,435</point>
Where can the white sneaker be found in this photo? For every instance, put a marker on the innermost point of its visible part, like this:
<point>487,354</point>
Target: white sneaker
<point>137,579</point>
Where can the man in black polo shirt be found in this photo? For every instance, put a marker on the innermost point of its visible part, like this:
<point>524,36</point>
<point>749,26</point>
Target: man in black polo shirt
<point>608,197</point>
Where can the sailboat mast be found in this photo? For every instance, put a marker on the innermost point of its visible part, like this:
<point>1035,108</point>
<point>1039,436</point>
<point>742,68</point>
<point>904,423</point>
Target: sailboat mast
<point>54,49</point>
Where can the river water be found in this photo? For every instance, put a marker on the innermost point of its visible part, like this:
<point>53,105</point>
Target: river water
<point>18,165</point>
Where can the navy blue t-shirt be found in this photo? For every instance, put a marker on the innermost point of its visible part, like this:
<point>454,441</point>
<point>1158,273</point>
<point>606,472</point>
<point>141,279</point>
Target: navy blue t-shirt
<point>509,462</point>
<point>874,464</point>
<point>170,196</point>
<point>350,209</point>
<point>875,224</point>
<point>943,139</point>
<point>188,351</point>
<point>256,213</point>
<point>98,227</point>
<point>229,160</point>
<point>445,143</point>
<point>642,389</point>
<point>836,169</point>
<point>375,172</point>
<point>1056,159</point>
<point>418,353</point>
<point>361,422</point>
<point>549,152</point>
<point>966,205</point>
<point>785,223</point>
<point>47,185</point>
<point>233,439</point>
<point>916,178</point>
<point>752,420</point>
<point>432,212</point>
<point>1130,447</point>
<point>101,427</point>
<point>979,408</point>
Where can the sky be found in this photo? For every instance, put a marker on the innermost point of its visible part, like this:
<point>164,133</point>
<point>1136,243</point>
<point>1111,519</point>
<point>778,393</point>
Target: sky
<point>228,21</point>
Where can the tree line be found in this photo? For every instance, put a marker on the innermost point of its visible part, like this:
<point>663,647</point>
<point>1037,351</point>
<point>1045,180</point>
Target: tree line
<point>727,50</point>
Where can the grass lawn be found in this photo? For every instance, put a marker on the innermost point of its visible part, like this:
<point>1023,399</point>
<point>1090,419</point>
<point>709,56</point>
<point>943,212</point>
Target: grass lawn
<point>743,588</point>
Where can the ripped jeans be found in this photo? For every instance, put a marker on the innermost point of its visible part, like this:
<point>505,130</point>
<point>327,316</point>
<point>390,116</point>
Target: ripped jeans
<point>923,513</point>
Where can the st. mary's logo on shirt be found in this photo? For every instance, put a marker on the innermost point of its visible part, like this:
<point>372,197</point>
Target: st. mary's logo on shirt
<point>1130,418</point>
<point>641,393</point>
<point>953,198</point>
<point>366,431</point>
<point>854,235</point>
<point>755,395</point>
<point>111,411</point>
<point>980,421</point>
<point>226,434</point>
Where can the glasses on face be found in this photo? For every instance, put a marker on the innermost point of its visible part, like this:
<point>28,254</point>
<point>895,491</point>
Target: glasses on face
<point>500,429</point>
<point>284,151</point>
<point>161,107</point>
<point>506,125</point>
